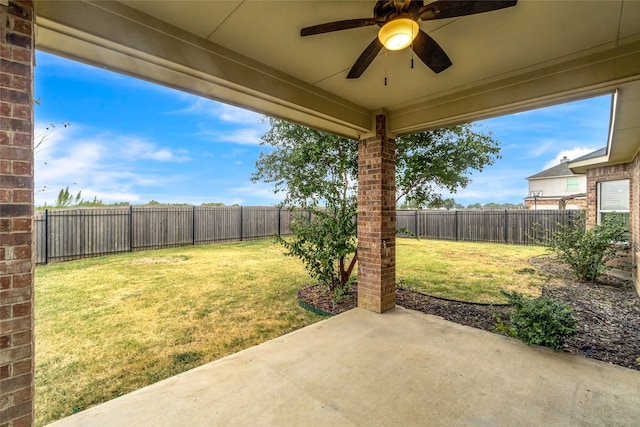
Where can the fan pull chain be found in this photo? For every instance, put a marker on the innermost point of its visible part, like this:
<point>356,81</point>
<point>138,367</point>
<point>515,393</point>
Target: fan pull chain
<point>385,67</point>
<point>412,39</point>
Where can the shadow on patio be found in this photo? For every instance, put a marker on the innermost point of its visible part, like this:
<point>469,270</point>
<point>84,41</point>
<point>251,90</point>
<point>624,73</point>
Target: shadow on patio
<point>399,368</point>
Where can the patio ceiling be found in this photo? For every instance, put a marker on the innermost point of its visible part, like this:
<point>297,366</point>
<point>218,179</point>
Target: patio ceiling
<point>250,54</point>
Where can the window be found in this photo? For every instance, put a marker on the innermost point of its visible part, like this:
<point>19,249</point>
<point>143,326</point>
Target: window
<point>613,199</point>
<point>573,183</point>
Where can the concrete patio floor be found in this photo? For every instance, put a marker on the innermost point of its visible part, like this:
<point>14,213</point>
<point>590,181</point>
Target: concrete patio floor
<point>401,368</point>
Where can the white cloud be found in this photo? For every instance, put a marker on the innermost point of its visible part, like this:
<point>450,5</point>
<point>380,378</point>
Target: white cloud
<point>102,165</point>
<point>223,112</point>
<point>141,149</point>
<point>571,154</point>
<point>540,148</point>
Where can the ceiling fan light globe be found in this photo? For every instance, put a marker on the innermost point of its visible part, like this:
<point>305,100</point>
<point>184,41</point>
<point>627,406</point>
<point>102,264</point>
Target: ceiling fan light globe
<point>398,34</point>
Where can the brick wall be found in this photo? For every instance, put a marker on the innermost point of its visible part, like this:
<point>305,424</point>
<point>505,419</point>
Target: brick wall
<point>634,189</point>
<point>377,221</point>
<point>596,175</point>
<point>610,173</point>
<point>577,203</point>
<point>16,213</point>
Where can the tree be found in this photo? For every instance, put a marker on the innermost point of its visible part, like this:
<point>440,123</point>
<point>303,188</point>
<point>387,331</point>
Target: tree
<point>318,173</point>
<point>429,163</point>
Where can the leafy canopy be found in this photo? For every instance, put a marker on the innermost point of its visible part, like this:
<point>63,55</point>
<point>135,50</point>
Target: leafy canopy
<point>317,172</point>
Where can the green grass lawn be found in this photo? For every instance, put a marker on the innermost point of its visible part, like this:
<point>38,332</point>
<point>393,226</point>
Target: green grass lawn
<point>110,325</point>
<point>465,271</point>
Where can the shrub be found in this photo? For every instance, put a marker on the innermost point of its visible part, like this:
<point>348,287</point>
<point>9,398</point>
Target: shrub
<point>588,252</point>
<point>542,321</point>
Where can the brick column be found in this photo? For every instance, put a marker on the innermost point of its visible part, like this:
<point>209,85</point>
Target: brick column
<point>16,213</point>
<point>377,220</point>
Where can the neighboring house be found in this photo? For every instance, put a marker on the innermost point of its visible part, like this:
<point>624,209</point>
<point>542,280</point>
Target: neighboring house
<point>613,172</point>
<point>557,188</point>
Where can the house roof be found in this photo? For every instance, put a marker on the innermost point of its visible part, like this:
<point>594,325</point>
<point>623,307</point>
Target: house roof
<point>556,171</point>
<point>594,154</point>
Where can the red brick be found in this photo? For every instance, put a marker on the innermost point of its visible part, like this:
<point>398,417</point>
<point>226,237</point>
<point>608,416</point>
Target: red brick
<point>22,112</point>
<point>18,266</point>
<point>14,96</point>
<point>5,282</point>
<point>21,40</point>
<point>5,109</point>
<point>16,125</point>
<point>15,239</point>
<point>14,181</point>
<point>5,197</point>
<point>22,140</point>
<point>16,295</point>
<point>15,325</point>
<point>5,50</point>
<point>4,371</point>
<point>23,395</point>
<point>23,196</point>
<point>21,55</point>
<point>21,224</point>
<point>21,310</point>
<point>5,341</point>
<point>22,252</point>
<point>21,338</point>
<point>22,26</point>
<point>5,167</point>
<point>5,80</point>
<point>21,168</point>
<point>25,421</point>
<point>15,153</point>
<point>21,280</point>
<point>4,138</point>
<point>16,411</point>
<point>21,367</point>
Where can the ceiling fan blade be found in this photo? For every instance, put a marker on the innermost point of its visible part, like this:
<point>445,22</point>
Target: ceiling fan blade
<point>365,59</point>
<point>430,53</point>
<point>339,25</point>
<point>442,9</point>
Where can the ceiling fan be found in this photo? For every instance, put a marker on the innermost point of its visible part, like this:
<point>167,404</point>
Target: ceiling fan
<point>399,28</point>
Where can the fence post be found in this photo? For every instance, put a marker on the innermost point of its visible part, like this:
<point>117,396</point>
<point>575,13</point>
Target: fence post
<point>456,224</point>
<point>415,228</point>
<point>506,226</point>
<point>193,225</point>
<point>241,223</point>
<point>130,228</point>
<point>279,220</point>
<point>46,236</point>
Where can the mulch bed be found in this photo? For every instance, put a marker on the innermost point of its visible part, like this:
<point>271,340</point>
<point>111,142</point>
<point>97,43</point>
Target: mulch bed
<point>608,312</point>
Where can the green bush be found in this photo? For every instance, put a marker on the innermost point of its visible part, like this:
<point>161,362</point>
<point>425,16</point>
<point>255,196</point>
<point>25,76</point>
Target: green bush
<point>588,252</point>
<point>542,321</point>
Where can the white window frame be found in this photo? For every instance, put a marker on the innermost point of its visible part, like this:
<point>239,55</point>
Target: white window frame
<point>608,203</point>
<point>573,183</point>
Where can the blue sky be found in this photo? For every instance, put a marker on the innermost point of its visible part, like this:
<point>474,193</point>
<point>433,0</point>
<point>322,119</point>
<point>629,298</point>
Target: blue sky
<point>132,141</point>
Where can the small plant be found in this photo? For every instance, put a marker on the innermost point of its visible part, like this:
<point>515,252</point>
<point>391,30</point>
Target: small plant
<point>542,321</point>
<point>588,252</point>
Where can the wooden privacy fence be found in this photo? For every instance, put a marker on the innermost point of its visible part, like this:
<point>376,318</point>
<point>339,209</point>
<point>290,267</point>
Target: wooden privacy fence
<point>65,234</point>
<point>520,227</point>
